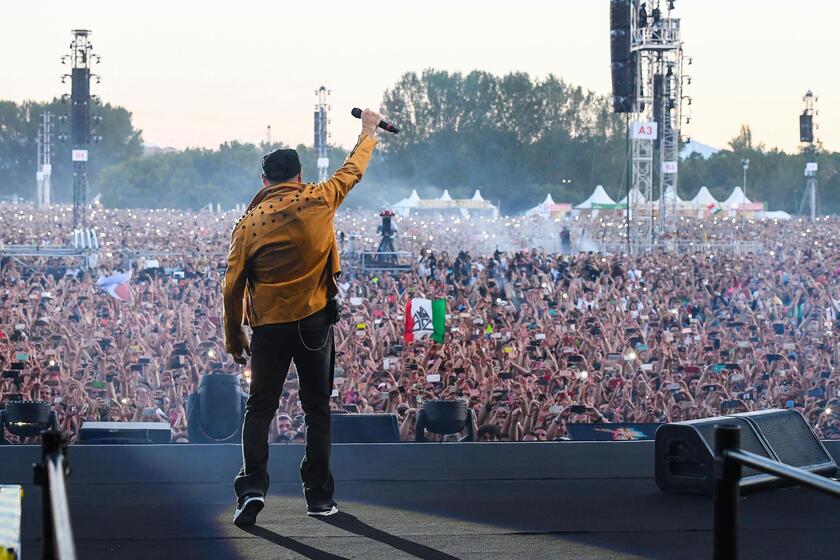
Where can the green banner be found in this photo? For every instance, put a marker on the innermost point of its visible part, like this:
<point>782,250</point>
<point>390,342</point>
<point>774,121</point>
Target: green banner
<point>438,319</point>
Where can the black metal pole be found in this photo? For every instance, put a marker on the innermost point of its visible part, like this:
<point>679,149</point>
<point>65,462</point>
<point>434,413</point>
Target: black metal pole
<point>50,445</point>
<point>726,492</point>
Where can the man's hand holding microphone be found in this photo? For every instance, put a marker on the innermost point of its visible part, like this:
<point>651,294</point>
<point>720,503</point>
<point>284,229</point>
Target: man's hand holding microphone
<point>370,120</point>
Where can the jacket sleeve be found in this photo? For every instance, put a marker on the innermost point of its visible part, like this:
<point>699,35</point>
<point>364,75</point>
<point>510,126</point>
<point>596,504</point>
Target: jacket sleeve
<point>233,291</point>
<point>336,187</point>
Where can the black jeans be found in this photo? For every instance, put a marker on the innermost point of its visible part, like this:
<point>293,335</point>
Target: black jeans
<point>310,344</point>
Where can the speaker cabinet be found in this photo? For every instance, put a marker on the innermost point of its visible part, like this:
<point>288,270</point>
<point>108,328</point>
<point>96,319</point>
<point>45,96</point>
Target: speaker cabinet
<point>121,433</point>
<point>684,462</point>
<point>365,428</point>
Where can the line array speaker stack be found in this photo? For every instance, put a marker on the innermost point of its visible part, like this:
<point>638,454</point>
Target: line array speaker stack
<point>623,63</point>
<point>684,462</point>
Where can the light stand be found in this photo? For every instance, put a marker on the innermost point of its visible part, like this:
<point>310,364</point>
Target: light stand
<point>745,164</point>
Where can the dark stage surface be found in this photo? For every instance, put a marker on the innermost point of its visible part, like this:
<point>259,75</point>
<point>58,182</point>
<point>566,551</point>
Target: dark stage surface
<point>433,501</point>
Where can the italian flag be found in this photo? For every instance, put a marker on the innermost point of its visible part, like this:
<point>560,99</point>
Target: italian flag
<point>713,208</point>
<point>425,317</point>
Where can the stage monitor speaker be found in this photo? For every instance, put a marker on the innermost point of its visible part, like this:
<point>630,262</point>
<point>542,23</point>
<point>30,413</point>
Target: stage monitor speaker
<point>684,461</point>
<point>121,433</point>
<point>365,428</point>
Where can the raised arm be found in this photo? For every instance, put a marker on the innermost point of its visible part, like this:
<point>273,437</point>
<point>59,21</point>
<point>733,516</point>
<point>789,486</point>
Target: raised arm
<point>338,186</point>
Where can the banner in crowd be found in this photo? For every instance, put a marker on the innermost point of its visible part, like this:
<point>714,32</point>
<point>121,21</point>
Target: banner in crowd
<point>117,285</point>
<point>612,432</point>
<point>424,317</point>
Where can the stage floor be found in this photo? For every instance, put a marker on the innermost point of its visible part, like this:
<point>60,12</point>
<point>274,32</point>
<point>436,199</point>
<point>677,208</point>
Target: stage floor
<point>160,502</point>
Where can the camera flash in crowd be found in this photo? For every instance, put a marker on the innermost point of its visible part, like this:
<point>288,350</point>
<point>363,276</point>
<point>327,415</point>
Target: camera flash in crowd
<point>124,400</point>
<point>52,363</point>
<point>211,353</point>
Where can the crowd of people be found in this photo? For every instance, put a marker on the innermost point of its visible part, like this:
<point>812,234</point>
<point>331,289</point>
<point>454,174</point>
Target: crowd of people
<point>536,339</point>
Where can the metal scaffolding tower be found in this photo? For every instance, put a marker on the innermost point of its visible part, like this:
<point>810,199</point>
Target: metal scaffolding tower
<point>82,58</point>
<point>656,44</point>
<point>810,149</point>
<point>44,172</point>
<point>321,135</point>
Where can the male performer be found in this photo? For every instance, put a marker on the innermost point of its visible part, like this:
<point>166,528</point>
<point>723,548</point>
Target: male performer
<point>283,262</point>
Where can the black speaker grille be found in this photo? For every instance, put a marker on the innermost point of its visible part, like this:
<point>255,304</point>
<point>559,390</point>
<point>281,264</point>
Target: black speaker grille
<point>749,441</point>
<point>791,438</point>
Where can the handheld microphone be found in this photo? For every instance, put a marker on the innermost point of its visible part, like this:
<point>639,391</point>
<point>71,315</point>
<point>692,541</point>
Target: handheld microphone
<point>356,112</point>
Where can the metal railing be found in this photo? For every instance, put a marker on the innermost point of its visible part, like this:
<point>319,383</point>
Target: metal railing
<point>50,475</point>
<point>729,458</point>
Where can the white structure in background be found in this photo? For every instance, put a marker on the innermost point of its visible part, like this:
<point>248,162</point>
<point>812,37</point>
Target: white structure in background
<point>703,198</point>
<point>598,198</point>
<point>44,172</point>
<point>636,198</point>
<point>777,215</point>
<point>736,199</point>
<point>321,136</point>
<point>404,206</point>
<point>542,207</point>
<point>445,204</point>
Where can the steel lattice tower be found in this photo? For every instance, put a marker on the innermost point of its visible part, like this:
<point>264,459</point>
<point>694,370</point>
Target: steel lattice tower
<point>44,172</point>
<point>321,135</point>
<point>810,149</point>
<point>656,122</point>
<point>82,58</point>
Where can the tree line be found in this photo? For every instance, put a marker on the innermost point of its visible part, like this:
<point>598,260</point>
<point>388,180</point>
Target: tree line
<point>513,136</point>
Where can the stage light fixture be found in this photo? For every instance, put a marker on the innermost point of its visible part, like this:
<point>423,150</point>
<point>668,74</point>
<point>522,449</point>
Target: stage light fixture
<point>27,418</point>
<point>216,410</point>
<point>444,417</point>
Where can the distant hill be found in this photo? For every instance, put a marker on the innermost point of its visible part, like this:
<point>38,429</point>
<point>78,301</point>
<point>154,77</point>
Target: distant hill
<point>697,147</point>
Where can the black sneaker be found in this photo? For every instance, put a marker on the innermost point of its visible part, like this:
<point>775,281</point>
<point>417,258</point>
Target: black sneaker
<point>322,510</point>
<point>247,509</point>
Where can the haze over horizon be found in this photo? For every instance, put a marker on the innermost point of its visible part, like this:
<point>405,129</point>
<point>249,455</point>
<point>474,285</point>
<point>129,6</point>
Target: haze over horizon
<point>199,74</point>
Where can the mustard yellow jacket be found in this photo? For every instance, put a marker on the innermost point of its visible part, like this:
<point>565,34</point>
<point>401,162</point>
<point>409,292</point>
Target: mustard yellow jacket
<point>283,255</point>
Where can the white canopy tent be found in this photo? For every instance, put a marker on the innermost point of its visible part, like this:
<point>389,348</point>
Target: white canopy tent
<point>703,198</point>
<point>445,204</point>
<point>404,206</point>
<point>542,207</point>
<point>777,215</point>
<point>636,198</point>
<point>670,194</point>
<point>737,198</point>
<point>598,197</point>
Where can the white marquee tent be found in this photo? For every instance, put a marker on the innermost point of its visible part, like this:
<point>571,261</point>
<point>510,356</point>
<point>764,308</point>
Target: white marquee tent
<point>542,207</point>
<point>598,197</point>
<point>404,206</point>
<point>737,198</point>
<point>445,204</point>
<point>636,197</point>
<point>703,198</point>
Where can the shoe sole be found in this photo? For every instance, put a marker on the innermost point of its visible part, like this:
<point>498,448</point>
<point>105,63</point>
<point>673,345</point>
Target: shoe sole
<point>248,514</point>
<point>331,511</point>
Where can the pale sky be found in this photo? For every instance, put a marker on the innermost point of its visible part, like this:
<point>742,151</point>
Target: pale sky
<point>200,73</point>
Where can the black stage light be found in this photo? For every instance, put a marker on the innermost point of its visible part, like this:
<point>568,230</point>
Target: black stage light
<point>216,410</point>
<point>27,418</point>
<point>443,418</point>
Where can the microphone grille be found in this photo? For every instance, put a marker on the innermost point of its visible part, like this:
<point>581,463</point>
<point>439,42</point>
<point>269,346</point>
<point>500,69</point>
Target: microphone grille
<point>356,112</point>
